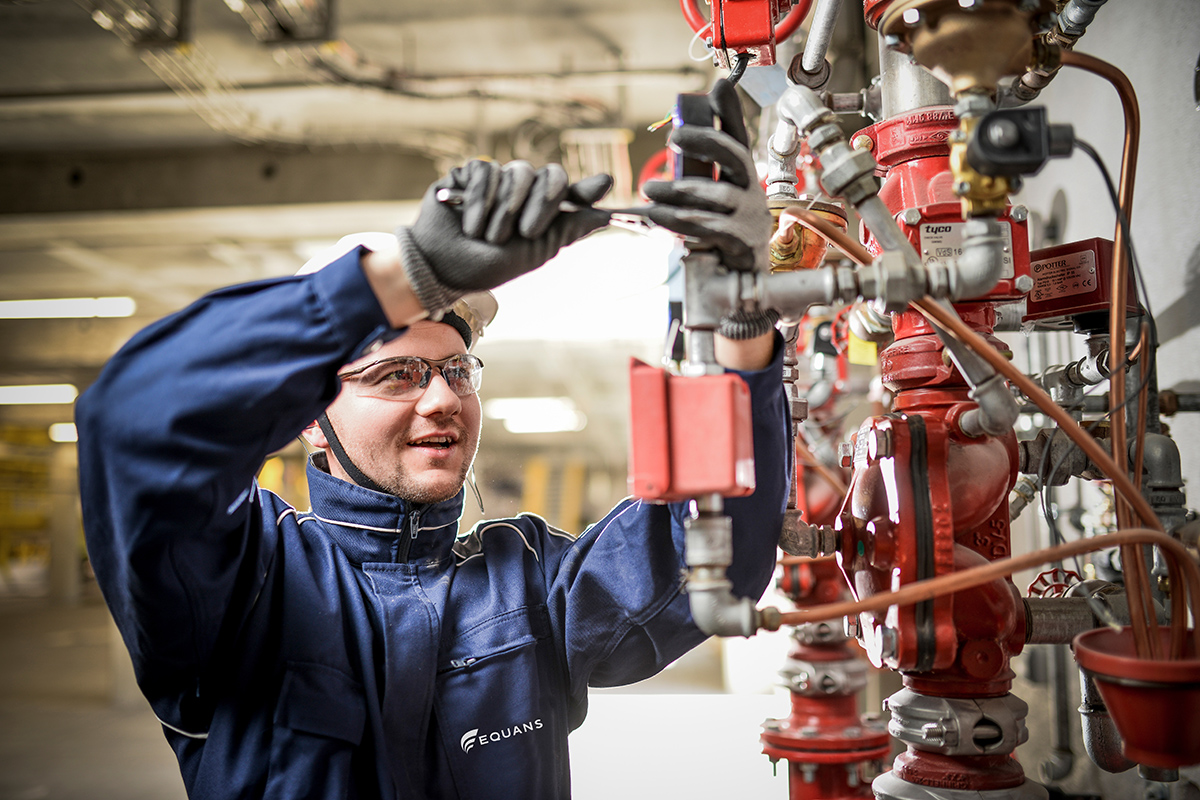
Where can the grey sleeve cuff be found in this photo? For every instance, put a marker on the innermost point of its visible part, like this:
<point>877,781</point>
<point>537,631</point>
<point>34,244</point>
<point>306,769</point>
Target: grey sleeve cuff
<point>748,324</point>
<point>433,295</point>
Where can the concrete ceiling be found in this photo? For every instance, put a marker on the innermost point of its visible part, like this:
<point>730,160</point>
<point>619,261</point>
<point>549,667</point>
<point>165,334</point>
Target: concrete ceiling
<point>163,148</point>
<point>135,164</point>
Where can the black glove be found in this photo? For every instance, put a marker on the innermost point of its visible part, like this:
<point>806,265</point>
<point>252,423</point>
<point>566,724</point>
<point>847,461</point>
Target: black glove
<point>730,214</point>
<point>507,224</point>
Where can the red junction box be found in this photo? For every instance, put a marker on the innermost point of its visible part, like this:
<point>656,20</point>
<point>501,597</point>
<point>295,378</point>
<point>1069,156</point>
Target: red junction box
<point>1071,279</point>
<point>688,436</point>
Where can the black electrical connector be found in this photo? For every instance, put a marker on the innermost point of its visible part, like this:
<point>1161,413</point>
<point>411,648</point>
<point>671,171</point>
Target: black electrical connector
<point>1017,141</point>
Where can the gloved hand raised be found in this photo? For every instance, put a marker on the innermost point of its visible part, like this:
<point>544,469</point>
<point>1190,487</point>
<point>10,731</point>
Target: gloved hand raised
<point>729,214</point>
<point>507,224</point>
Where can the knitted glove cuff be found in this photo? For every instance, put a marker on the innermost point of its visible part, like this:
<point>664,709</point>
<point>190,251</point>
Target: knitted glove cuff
<point>433,295</point>
<point>748,324</point>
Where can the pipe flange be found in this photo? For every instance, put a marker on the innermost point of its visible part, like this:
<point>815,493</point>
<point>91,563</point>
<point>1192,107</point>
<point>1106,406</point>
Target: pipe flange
<point>958,726</point>
<point>810,633</point>
<point>824,678</point>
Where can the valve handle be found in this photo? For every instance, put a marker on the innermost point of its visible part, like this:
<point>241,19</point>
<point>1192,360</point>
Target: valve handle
<point>1053,583</point>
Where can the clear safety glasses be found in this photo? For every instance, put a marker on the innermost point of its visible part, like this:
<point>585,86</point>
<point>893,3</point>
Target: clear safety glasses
<point>406,377</point>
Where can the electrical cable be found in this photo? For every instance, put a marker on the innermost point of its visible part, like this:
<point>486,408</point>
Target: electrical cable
<point>741,61</point>
<point>1133,565</point>
<point>957,328</point>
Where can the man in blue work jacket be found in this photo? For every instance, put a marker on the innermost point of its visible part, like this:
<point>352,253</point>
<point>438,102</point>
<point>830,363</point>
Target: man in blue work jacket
<point>366,648</point>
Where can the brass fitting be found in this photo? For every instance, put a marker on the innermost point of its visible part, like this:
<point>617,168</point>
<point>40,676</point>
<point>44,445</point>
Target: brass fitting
<point>968,44</point>
<point>801,248</point>
<point>981,195</point>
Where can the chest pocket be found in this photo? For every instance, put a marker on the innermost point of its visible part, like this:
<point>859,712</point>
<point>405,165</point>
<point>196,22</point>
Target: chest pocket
<point>319,722</point>
<point>501,705</point>
<point>495,636</point>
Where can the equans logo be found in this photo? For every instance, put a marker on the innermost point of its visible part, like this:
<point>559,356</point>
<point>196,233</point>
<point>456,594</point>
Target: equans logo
<point>474,737</point>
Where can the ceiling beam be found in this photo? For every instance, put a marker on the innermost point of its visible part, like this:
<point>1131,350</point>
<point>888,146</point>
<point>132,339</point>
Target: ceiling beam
<point>214,177</point>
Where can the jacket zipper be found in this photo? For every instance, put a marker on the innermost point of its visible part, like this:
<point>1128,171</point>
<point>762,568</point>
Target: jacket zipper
<point>405,543</point>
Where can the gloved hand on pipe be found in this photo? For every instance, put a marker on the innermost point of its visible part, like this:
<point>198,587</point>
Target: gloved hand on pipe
<point>508,223</point>
<point>729,214</point>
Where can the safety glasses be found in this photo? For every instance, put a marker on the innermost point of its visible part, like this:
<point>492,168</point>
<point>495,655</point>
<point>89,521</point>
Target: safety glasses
<point>406,377</point>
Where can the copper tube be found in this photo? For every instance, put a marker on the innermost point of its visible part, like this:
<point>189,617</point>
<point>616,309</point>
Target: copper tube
<point>1143,575</point>
<point>1136,591</point>
<point>841,240</point>
<point>809,460</point>
<point>1116,319</point>
<point>1138,459</point>
<point>1137,586</point>
<point>832,234</point>
<point>1082,438</point>
<point>986,573</point>
<point>1144,623</point>
<point>1140,602</point>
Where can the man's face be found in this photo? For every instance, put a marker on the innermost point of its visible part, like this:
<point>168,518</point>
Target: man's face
<point>418,449</point>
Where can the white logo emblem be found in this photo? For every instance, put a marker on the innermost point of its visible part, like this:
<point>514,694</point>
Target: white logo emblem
<point>474,737</point>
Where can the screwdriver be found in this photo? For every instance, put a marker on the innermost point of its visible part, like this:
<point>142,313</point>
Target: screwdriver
<point>454,197</point>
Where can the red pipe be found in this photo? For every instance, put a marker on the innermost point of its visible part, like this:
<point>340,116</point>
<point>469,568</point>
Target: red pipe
<point>786,27</point>
<point>792,21</point>
<point>691,12</point>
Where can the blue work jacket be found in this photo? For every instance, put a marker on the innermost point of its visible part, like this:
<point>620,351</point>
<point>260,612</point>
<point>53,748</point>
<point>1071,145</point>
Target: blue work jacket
<point>363,648</point>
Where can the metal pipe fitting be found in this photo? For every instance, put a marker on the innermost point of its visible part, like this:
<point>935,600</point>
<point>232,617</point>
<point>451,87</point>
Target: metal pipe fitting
<point>782,149</point>
<point>798,538</point>
<point>996,412</point>
<point>715,610</point>
<point>1065,384</point>
<point>1101,738</point>
<point>869,324</point>
<point>1023,493</point>
<point>1064,458</point>
<point>802,109</point>
<point>1077,15</point>
<point>1057,620</point>
<point>708,542</point>
<point>906,85</point>
<point>791,293</point>
<point>996,409</point>
<point>1162,462</point>
<point>981,264</point>
<point>820,33</point>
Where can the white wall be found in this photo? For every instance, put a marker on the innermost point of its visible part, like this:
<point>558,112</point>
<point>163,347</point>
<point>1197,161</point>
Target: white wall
<point>1156,44</point>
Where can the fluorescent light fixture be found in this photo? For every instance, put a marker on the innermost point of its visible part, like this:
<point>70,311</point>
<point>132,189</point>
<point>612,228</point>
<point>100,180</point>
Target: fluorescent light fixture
<point>536,414</point>
<point>38,394</point>
<point>68,308</point>
<point>64,432</point>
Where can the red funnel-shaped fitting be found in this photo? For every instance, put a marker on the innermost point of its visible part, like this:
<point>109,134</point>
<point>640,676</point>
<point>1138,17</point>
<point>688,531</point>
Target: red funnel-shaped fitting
<point>1154,704</point>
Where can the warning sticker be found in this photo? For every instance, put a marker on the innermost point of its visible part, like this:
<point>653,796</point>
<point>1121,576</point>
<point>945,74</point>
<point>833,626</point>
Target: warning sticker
<point>942,241</point>
<point>1062,276</point>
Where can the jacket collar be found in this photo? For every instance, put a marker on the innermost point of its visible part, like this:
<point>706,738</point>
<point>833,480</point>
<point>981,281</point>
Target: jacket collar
<point>370,527</point>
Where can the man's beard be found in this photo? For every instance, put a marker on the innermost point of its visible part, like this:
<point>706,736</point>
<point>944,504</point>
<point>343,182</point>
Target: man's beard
<point>406,487</point>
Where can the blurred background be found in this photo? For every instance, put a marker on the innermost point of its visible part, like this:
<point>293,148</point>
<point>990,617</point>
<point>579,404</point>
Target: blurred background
<point>154,150</point>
